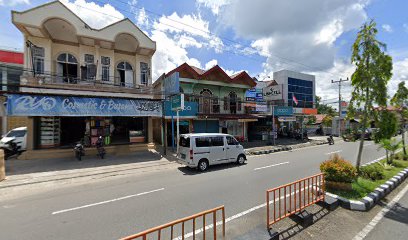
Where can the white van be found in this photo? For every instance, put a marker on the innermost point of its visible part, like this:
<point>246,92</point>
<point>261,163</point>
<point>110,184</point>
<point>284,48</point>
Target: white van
<point>201,150</point>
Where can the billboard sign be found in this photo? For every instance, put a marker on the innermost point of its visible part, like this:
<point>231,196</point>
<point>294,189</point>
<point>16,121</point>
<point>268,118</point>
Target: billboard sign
<point>172,84</point>
<point>51,105</point>
<point>283,111</point>
<point>177,102</point>
<point>273,92</point>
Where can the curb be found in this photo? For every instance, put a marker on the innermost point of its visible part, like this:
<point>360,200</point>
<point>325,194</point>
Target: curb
<point>374,197</point>
<point>279,149</point>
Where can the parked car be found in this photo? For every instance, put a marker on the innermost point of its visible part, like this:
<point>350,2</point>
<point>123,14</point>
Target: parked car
<point>19,135</point>
<point>201,150</point>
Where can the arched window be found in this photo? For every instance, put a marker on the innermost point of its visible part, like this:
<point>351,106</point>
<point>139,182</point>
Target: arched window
<point>205,101</point>
<point>125,74</point>
<point>67,68</point>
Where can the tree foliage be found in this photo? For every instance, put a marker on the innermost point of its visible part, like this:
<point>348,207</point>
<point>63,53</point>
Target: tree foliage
<point>369,81</point>
<point>387,124</point>
<point>400,100</point>
<point>324,108</point>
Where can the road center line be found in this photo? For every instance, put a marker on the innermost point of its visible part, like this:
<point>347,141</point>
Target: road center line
<point>108,201</point>
<point>334,152</point>
<point>370,226</point>
<point>273,165</point>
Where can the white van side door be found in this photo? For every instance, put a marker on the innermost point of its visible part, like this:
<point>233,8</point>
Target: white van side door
<point>217,150</point>
<point>233,149</point>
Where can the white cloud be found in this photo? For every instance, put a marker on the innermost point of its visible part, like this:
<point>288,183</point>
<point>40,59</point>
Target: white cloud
<point>400,73</point>
<point>295,36</point>
<point>142,18</point>
<point>405,26</point>
<point>211,64</point>
<point>13,2</point>
<point>94,15</point>
<point>387,28</point>
<point>214,5</point>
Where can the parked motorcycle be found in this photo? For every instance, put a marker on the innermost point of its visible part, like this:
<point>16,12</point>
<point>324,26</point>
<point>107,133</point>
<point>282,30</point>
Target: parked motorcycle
<point>330,140</point>
<point>100,148</point>
<point>10,148</point>
<point>79,151</point>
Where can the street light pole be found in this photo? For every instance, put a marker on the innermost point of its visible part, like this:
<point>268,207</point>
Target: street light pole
<point>339,82</point>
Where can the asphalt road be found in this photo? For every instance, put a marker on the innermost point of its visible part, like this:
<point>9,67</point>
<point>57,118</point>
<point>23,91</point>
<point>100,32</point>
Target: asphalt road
<point>115,208</point>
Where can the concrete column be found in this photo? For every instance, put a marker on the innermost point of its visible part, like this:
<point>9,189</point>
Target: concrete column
<point>30,133</point>
<point>149,130</point>
<point>98,63</point>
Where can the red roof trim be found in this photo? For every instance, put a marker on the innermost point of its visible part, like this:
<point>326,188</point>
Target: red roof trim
<point>241,78</point>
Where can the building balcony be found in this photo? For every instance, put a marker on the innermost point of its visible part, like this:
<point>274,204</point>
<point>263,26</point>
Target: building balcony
<point>78,84</point>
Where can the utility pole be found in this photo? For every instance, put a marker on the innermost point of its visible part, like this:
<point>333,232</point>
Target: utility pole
<point>339,82</point>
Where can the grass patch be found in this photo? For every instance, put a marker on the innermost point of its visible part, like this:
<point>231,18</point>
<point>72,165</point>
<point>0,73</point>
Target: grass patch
<point>362,187</point>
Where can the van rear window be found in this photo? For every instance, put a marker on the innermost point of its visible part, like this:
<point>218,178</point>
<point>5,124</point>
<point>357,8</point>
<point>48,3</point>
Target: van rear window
<point>185,142</point>
<point>202,142</point>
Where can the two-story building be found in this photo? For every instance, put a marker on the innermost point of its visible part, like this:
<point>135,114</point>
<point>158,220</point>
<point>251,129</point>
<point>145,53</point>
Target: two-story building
<point>218,98</point>
<point>83,82</point>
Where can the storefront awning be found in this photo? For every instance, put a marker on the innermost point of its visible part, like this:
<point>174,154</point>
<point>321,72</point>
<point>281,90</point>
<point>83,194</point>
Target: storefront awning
<point>228,116</point>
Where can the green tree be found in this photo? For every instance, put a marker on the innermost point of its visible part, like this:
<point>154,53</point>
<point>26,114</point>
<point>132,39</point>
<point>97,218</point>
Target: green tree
<point>369,81</point>
<point>390,146</point>
<point>387,124</point>
<point>400,100</point>
<point>324,108</point>
<point>327,121</point>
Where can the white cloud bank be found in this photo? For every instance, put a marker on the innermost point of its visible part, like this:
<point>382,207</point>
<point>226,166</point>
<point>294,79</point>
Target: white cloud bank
<point>12,3</point>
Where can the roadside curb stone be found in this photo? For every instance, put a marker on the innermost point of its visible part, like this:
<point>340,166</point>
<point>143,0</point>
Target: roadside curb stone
<point>369,201</point>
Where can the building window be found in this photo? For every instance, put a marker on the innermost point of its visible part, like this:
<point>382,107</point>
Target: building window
<point>38,59</point>
<point>233,102</point>
<point>125,74</point>
<point>89,58</point>
<point>67,68</point>
<point>105,68</point>
<point>302,90</point>
<point>144,73</point>
<point>205,101</point>
<point>88,72</point>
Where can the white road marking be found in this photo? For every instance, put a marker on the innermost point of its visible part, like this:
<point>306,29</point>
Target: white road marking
<point>370,226</point>
<point>188,235</point>
<point>334,152</point>
<point>273,165</point>
<point>108,201</point>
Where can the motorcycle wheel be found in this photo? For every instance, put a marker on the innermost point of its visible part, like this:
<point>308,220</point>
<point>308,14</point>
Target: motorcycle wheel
<point>78,156</point>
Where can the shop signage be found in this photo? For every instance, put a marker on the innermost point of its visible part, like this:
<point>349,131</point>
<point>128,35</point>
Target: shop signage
<point>297,110</point>
<point>344,106</point>
<point>283,111</point>
<point>254,95</point>
<point>177,102</point>
<point>273,92</point>
<point>310,111</point>
<point>190,109</point>
<point>261,107</point>
<point>172,84</point>
<point>46,105</point>
<point>287,119</point>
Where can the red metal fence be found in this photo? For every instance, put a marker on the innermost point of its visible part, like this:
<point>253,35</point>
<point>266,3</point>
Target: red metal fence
<point>293,197</point>
<point>169,230</point>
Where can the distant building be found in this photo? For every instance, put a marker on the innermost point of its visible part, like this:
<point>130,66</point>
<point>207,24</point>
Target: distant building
<point>11,68</point>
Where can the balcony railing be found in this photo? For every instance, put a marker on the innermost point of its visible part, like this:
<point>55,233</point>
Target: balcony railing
<point>71,82</point>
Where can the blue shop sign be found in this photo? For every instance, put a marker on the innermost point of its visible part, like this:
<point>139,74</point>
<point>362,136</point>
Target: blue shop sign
<point>283,111</point>
<point>190,109</point>
<point>48,105</point>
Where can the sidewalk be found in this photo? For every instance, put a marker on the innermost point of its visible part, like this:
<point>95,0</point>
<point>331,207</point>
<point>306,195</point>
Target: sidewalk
<point>255,148</point>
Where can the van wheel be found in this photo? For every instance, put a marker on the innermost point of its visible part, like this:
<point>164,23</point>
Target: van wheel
<point>241,159</point>
<point>202,165</point>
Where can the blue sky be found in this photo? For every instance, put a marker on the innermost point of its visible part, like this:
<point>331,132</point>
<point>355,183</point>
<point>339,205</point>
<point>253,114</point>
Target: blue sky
<point>259,36</point>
